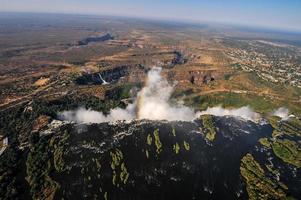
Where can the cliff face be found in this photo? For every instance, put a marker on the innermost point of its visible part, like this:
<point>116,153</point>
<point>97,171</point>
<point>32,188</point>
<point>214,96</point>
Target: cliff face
<point>196,77</point>
<point>101,38</point>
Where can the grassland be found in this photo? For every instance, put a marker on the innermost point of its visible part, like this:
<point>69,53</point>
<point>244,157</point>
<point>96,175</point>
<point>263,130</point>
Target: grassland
<point>247,90</point>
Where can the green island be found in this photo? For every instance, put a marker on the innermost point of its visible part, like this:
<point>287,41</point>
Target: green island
<point>176,148</point>
<point>186,145</point>
<point>149,139</point>
<point>288,151</point>
<point>174,132</point>
<point>118,165</point>
<point>209,127</point>
<point>265,142</point>
<point>258,185</point>
<point>157,141</point>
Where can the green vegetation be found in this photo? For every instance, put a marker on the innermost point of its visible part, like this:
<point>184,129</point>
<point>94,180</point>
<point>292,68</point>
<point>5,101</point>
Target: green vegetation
<point>59,151</point>
<point>292,127</point>
<point>273,171</point>
<point>38,171</point>
<point>289,127</point>
<point>209,127</point>
<point>118,165</point>
<point>98,165</point>
<point>114,178</point>
<point>176,148</point>
<point>275,123</point>
<point>258,102</point>
<point>295,125</point>
<point>122,91</point>
<point>234,100</point>
<point>16,124</point>
<point>149,139</point>
<point>265,142</point>
<point>52,107</point>
<point>58,159</point>
<point>288,151</point>
<point>105,196</point>
<point>157,141</point>
<point>186,145</point>
<point>281,89</point>
<point>124,175</point>
<point>258,185</point>
<point>174,132</point>
<point>116,158</point>
<point>9,167</point>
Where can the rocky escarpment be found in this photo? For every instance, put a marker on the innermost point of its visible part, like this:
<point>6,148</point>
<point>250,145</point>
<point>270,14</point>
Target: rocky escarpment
<point>101,38</point>
<point>197,77</point>
<point>104,77</point>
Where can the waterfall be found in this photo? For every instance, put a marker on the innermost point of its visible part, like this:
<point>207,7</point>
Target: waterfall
<point>103,81</point>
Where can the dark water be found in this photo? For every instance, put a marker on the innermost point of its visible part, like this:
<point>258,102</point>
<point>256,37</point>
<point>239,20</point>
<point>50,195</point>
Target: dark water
<point>208,170</point>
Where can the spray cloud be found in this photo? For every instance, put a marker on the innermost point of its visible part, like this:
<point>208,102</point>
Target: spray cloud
<point>282,112</point>
<point>152,103</point>
<point>243,112</point>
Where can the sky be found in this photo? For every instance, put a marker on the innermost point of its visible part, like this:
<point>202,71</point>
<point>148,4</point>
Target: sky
<point>281,14</point>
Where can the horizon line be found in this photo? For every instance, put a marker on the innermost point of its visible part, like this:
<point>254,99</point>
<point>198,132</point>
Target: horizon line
<point>168,19</point>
